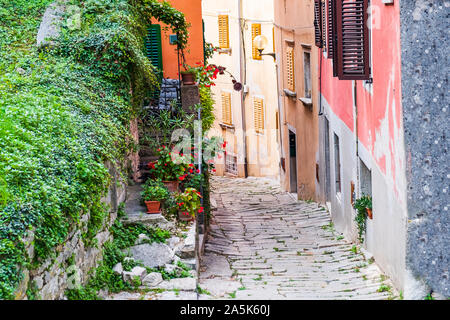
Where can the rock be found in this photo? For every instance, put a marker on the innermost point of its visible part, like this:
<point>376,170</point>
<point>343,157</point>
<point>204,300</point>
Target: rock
<point>142,238</point>
<point>118,268</point>
<point>152,255</point>
<point>137,272</point>
<point>152,279</point>
<point>187,251</point>
<point>173,242</point>
<point>170,267</point>
<point>190,263</point>
<point>51,24</point>
<point>185,284</point>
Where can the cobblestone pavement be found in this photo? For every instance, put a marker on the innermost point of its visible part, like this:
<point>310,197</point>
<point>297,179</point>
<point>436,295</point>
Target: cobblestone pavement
<point>263,244</point>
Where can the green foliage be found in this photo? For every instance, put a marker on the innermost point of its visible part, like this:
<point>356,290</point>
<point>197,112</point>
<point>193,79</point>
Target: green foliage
<point>189,202</point>
<point>63,113</point>
<point>361,205</point>
<point>126,236</point>
<point>154,192</point>
<point>170,166</point>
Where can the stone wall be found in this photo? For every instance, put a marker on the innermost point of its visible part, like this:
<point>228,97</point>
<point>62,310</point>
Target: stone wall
<point>425,69</point>
<point>73,259</point>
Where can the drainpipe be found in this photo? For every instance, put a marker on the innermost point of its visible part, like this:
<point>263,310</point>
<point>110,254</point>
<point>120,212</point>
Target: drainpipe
<point>243,80</point>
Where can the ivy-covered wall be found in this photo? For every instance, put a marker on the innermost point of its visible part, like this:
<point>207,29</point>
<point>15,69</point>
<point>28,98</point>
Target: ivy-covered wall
<point>65,111</point>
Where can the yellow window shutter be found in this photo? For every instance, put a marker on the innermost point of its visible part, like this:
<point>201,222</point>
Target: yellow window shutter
<point>290,68</point>
<point>258,109</point>
<point>226,108</point>
<point>224,37</point>
<point>256,31</point>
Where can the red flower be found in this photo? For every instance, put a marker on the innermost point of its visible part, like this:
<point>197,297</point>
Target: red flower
<point>201,210</point>
<point>214,170</point>
<point>191,170</point>
<point>198,170</point>
<point>181,178</point>
<point>190,165</point>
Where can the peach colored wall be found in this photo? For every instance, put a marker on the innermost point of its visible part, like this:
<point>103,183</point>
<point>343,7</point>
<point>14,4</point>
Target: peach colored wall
<point>192,10</point>
<point>294,22</point>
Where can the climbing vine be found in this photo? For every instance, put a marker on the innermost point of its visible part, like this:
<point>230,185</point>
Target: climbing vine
<point>64,112</point>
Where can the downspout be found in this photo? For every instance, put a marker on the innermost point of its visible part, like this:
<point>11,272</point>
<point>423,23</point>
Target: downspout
<point>243,80</point>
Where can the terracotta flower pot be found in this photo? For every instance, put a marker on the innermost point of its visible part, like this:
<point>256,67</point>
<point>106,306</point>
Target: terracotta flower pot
<point>172,186</point>
<point>369,213</point>
<point>184,217</point>
<point>188,78</point>
<point>153,207</point>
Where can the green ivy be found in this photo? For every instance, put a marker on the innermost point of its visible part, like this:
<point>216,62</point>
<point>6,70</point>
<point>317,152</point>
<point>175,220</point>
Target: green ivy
<point>361,205</point>
<point>63,113</point>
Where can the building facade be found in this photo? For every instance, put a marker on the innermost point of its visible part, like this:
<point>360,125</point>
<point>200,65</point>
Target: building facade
<point>246,119</point>
<point>298,95</point>
<point>375,113</point>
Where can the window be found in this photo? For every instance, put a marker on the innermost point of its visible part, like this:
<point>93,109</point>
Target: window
<point>256,31</point>
<point>224,37</point>
<point>154,48</point>
<point>324,24</point>
<point>365,179</point>
<point>290,68</point>
<point>352,40</point>
<point>258,111</point>
<point>337,164</point>
<point>226,108</point>
<point>318,23</point>
<point>307,73</point>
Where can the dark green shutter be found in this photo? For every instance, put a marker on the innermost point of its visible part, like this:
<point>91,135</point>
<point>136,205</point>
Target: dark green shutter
<point>153,47</point>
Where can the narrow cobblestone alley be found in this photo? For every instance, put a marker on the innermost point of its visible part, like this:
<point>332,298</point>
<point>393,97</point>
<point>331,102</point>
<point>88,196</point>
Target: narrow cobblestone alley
<point>263,244</point>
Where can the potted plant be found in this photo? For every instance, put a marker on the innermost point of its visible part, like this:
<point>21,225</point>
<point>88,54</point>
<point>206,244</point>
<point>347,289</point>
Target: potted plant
<point>170,168</point>
<point>188,76</point>
<point>153,195</point>
<point>363,207</point>
<point>189,204</point>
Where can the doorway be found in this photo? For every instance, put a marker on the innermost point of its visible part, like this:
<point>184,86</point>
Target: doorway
<point>292,162</point>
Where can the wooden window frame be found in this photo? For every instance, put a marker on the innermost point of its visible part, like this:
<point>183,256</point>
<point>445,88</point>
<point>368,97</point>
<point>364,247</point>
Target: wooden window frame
<point>258,115</point>
<point>290,67</point>
<point>224,31</point>
<point>256,31</point>
<point>318,23</point>
<point>353,56</point>
<point>227,115</point>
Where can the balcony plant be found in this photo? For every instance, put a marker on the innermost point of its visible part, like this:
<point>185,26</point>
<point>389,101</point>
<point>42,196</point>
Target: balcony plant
<point>153,195</point>
<point>189,204</point>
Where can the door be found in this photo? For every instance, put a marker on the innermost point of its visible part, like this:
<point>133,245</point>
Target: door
<point>292,162</point>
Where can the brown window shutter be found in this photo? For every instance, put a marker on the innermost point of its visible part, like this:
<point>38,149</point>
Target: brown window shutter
<point>226,108</point>
<point>224,37</point>
<point>256,31</point>
<point>258,108</point>
<point>290,68</point>
<point>323,18</point>
<point>352,40</point>
<point>318,23</point>
<point>331,27</point>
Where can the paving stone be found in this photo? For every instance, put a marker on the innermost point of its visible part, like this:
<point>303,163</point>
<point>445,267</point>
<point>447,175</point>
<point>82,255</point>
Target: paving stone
<point>275,247</point>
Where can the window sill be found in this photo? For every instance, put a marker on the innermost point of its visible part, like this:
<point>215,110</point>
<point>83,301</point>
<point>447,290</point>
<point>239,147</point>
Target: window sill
<point>224,50</point>
<point>289,93</point>
<point>306,101</point>
<point>226,126</point>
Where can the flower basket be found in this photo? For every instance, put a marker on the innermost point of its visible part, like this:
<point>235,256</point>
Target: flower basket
<point>153,207</point>
<point>172,186</point>
<point>188,78</point>
<point>185,216</point>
